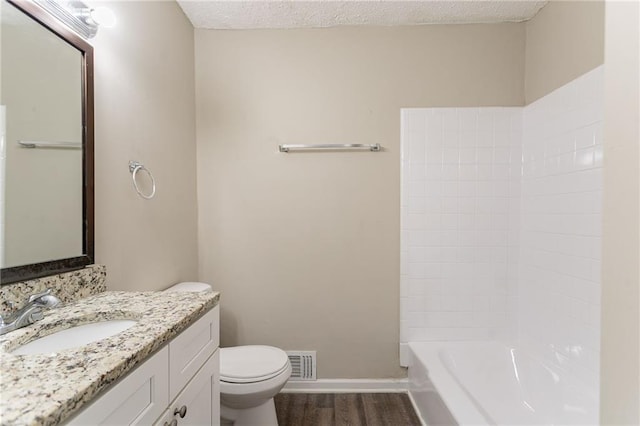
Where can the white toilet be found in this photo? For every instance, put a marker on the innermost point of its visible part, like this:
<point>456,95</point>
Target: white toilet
<point>250,376</point>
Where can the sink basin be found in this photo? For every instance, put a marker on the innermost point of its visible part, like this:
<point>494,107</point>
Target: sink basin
<point>74,337</point>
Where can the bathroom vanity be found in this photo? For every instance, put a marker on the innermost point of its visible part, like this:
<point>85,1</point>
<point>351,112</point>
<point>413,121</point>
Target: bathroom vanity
<point>164,369</point>
<point>180,381</point>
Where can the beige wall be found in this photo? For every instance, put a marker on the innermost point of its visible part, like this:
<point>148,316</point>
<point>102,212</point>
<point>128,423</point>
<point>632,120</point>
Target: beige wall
<point>620,362</point>
<point>305,246</point>
<point>145,111</point>
<point>564,40</point>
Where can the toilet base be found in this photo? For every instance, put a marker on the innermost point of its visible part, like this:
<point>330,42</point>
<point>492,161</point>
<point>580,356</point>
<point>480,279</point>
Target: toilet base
<point>262,415</point>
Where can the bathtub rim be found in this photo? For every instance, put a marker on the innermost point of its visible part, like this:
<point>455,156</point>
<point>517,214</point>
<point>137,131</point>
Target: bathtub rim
<point>461,406</point>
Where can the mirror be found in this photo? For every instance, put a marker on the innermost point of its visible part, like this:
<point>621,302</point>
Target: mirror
<point>46,154</point>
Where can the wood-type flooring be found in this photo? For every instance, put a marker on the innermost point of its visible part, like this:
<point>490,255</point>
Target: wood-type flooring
<point>345,409</point>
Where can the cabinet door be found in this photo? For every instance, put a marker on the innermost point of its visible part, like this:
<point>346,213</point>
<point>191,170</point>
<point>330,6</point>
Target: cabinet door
<point>200,399</point>
<point>139,398</point>
<point>189,350</point>
<point>166,419</point>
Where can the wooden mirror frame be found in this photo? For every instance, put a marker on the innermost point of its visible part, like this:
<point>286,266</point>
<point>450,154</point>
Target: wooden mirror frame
<point>52,267</point>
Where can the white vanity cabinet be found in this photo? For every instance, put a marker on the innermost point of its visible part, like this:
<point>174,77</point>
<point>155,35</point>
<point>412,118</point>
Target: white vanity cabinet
<point>199,402</point>
<point>178,385</point>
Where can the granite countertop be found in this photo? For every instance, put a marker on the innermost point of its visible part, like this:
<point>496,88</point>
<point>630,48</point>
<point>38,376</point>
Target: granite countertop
<point>47,389</point>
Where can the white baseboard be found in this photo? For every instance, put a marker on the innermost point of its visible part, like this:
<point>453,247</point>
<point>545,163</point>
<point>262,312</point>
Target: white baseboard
<point>347,386</point>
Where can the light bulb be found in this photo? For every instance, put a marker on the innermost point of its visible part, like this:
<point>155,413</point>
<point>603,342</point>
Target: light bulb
<point>103,16</point>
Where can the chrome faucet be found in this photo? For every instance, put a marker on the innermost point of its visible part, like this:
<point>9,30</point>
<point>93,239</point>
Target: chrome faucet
<point>30,312</point>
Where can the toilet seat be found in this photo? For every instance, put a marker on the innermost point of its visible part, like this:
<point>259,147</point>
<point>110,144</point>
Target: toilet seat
<point>251,364</point>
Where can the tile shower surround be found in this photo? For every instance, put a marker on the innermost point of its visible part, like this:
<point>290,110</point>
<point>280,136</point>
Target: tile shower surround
<point>501,224</point>
<point>460,209</point>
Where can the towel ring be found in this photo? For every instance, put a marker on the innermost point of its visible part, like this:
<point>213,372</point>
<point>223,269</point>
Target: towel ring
<point>134,168</point>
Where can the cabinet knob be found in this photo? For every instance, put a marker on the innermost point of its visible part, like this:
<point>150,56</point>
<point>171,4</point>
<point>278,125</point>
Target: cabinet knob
<point>174,422</point>
<point>182,411</point>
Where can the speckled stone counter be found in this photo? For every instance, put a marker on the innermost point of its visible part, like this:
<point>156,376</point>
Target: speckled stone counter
<point>47,389</point>
<point>68,287</point>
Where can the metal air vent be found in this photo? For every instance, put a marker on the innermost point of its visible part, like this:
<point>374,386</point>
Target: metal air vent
<point>303,365</point>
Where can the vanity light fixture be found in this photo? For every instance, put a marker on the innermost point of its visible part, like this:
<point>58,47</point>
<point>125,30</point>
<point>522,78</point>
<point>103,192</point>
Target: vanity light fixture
<point>98,17</point>
<point>81,18</point>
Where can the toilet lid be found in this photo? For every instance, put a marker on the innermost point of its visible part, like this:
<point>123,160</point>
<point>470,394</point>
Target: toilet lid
<point>248,364</point>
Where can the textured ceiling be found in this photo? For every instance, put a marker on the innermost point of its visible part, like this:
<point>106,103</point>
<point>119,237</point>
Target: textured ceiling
<point>234,14</point>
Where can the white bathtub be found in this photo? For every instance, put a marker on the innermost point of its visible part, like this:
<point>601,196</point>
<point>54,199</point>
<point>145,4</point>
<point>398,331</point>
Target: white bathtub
<point>490,383</point>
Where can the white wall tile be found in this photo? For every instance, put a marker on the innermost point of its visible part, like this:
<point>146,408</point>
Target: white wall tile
<point>559,276</point>
<point>464,248</point>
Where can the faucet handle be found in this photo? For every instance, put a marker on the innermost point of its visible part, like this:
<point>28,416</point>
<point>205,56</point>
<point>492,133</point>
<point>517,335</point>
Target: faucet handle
<point>37,296</point>
<point>44,300</point>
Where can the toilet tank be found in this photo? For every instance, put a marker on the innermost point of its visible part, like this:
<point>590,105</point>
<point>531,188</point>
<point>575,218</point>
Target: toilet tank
<point>190,286</point>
